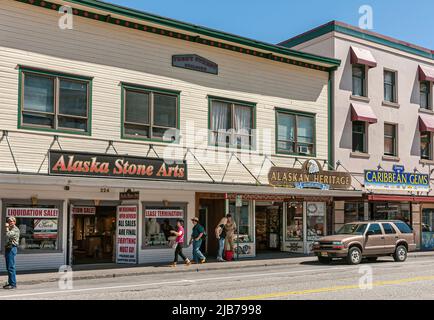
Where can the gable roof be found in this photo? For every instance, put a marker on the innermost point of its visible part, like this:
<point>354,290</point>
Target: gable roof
<point>337,26</point>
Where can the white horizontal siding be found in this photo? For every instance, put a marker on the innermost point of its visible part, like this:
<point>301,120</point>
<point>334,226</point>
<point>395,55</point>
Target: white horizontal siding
<point>110,54</point>
<point>41,261</point>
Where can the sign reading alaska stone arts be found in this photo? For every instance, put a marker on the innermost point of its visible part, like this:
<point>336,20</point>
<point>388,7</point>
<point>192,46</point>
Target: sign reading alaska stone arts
<point>396,180</point>
<point>115,166</point>
<point>194,62</point>
<point>310,176</point>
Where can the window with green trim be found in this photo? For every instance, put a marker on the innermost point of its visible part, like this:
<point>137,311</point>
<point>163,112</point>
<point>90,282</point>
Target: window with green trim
<point>231,124</point>
<point>150,114</point>
<point>295,134</point>
<point>55,102</point>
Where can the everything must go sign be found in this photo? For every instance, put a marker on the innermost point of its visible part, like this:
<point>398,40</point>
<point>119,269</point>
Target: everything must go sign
<point>126,240</point>
<point>397,179</point>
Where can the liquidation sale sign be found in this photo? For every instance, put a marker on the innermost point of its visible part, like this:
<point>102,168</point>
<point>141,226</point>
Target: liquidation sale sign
<point>126,239</point>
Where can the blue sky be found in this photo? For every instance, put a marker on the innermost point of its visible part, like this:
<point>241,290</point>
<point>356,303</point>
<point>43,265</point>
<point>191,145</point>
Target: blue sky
<point>276,20</point>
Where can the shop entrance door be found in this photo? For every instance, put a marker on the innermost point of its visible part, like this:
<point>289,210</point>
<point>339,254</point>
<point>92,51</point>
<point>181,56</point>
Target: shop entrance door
<point>93,235</point>
<point>268,218</point>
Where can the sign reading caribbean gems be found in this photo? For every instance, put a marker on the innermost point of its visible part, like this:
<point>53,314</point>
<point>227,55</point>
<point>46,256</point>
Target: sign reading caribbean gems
<point>115,166</point>
<point>194,62</point>
<point>396,180</point>
<point>309,176</point>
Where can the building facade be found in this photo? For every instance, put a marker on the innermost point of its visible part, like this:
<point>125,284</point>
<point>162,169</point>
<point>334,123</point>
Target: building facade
<point>382,116</point>
<point>115,123</point>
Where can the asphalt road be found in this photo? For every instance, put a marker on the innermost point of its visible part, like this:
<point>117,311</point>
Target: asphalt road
<point>413,279</point>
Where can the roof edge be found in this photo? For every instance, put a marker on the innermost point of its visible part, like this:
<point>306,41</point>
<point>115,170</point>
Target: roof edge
<point>168,22</point>
<point>337,26</point>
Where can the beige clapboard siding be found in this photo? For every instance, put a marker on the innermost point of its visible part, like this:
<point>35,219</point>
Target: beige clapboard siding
<point>112,54</point>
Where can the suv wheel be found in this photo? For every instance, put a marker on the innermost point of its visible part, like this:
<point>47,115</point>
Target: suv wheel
<point>324,260</point>
<point>400,254</point>
<point>354,256</point>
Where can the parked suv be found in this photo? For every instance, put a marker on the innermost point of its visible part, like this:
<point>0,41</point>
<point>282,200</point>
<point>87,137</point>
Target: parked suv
<point>358,240</point>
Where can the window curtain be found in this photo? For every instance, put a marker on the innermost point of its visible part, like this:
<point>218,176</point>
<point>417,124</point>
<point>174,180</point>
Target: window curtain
<point>220,120</point>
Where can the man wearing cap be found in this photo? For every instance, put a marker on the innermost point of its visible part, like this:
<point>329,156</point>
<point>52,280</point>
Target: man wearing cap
<point>11,244</point>
<point>196,239</point>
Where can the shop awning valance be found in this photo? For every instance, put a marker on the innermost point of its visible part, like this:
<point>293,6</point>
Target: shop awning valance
<point>426,73</point>
<point>362,56</point>
<point>360,112</point>
<point>426,123</point>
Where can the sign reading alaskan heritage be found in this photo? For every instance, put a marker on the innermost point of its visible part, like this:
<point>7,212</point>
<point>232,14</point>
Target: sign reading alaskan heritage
<point>115,166</point>
<point>397,179</point>
<point>194,62</point>
<point>310,176</point>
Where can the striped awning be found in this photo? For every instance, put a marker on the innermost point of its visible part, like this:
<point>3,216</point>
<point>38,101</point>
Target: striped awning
<point>360,112</point>
<point>426,73</point>
<point>362,56</point>
<point>426,123</point>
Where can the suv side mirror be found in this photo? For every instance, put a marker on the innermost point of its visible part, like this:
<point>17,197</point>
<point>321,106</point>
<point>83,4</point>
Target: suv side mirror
<point>369,233</point>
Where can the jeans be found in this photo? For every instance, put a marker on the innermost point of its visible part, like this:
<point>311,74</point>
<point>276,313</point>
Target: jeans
<point>178,251</point>
<point>197,255</point>
<point>221,248</point>
<point>10,255</point>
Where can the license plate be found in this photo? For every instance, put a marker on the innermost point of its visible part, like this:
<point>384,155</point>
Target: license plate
<point>324,254</point>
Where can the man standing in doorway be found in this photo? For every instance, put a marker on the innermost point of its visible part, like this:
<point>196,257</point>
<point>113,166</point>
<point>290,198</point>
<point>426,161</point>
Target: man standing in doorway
<point>197,236</point>
<point>12,240</point>
<point>221,235</point>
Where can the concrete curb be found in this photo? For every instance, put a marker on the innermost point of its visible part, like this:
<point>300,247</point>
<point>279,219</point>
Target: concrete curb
<point>182,269</point>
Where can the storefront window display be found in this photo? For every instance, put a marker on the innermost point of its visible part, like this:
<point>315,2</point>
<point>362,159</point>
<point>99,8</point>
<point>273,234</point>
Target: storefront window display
<point>244,220</point>
<point>158,223</point>
<point>294,222</point>
<point>428,229</point>
<point>39,226</point>
<point>316,214</point>
<point>354,211</point>
<point>392,211</point>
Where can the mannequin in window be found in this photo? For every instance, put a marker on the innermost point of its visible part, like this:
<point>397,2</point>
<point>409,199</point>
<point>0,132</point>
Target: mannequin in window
<point>152,227</point>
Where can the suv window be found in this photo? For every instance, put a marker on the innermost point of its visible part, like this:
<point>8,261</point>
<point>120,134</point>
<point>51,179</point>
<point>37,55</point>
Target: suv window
<point>388,229</point>
<point>403,227</point>
<point>375,228</point>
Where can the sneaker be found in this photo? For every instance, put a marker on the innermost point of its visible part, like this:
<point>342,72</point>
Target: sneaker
<point>9,287</point>
<point>202,261</point>
<point>173,264</point>
<point>221,260</point>
<point>187,262</point>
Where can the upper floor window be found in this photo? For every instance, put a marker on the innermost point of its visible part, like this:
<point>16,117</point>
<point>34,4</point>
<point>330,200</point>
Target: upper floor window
<point>425,95</point>
<point>359,80</point>
<point>390,133</point>
<point>231,123</point>
<point>359,137</point>
<point>150,113</point>
<point>55,102</point>
<point>390,86</point>
<point>426,145</point>
<point>295,133</point>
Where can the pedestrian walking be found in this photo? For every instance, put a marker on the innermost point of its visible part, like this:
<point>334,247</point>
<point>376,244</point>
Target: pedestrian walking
<point>197,237</point>
<point>230,228</point>
<point>221,235</point>
<point>11,244</point>
<point>179,233</point>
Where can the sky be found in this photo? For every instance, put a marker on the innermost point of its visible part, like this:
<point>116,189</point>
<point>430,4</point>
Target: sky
<point>277,20</point>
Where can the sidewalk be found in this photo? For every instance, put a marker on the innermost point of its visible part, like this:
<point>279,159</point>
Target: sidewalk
<point>113,270</point>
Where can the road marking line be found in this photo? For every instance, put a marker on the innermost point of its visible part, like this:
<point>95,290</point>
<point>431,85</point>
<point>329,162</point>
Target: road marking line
<point>252,275</point>
<point>333,289</point>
